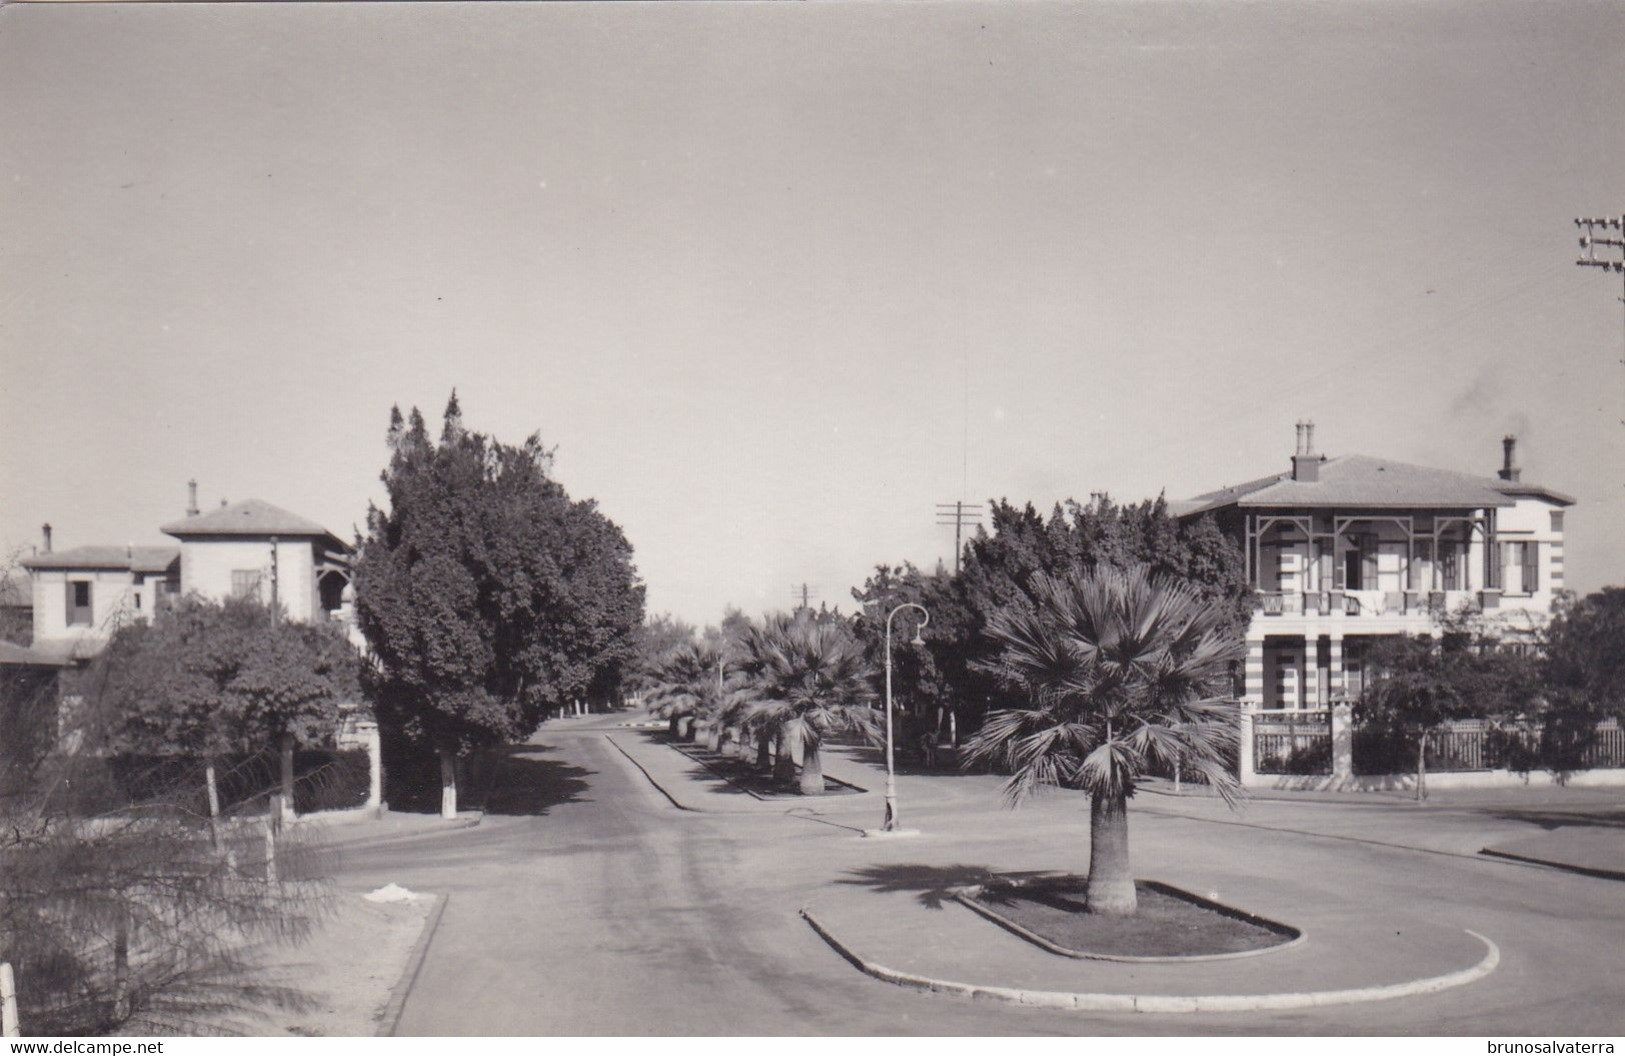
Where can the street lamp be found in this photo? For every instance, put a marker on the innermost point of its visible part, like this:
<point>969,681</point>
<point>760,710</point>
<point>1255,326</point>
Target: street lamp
<point>890,824</point>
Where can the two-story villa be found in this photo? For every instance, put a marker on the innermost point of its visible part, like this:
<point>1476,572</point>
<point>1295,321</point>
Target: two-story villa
<point>1345,550</point>
<point>250,548</point>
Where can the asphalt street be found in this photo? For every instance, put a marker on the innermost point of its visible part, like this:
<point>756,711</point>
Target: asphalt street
<point>587,903</point>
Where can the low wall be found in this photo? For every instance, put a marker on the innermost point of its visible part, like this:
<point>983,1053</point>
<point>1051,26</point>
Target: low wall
<point>1610,778</point>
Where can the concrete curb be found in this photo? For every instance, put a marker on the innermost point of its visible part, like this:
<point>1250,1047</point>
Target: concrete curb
<point>723,775</point>
<point>384,839</point>
<point>658,787</point>
<point>1549,863</point>
<point>391,1016</point>
<point>1165,1003</point>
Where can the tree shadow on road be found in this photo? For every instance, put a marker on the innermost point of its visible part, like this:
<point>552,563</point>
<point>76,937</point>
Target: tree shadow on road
<point>1550,819</point>
<point>932,884</point>
<point>524,782</point>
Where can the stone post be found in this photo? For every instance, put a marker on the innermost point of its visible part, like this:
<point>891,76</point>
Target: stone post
<point>1342,744</point>
<point>368,731</point>
<point>1244,768</point>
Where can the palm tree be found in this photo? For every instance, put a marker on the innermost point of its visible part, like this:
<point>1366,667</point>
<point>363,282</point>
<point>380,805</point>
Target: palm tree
<point>1123,671</point>
<point>805,678</point>
<point>683,685</point>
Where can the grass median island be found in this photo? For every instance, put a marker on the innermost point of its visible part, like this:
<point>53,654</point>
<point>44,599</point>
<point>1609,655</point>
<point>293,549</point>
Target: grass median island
<point>1169,923</point>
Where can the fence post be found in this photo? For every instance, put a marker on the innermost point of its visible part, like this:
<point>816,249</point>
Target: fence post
<point>375,766</point>
<point>8,1002</point>
<point>1245,772</point>
<point>1342,744</point>
<point>270,844</point>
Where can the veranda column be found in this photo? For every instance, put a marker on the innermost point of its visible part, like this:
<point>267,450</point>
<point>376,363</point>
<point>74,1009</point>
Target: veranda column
<point>1334,666</point>
<point>1253,674</point>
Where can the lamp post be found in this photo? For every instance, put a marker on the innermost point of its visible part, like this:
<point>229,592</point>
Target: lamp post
<point>890,824</point>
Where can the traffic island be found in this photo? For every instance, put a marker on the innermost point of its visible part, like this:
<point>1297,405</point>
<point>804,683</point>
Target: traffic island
<point>1171,925</point>
<point>933,941</point>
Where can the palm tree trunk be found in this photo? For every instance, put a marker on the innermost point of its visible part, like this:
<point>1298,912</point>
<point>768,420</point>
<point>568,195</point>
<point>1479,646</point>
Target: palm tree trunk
<point>812,770</point>
<point>764,750</point>
<point>1111,883</point>
<point>713,736</point>
<point>784,764</point>
<point>671,727</point>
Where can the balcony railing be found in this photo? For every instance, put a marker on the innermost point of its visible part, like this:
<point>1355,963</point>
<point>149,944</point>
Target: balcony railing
<point>1364,602</point>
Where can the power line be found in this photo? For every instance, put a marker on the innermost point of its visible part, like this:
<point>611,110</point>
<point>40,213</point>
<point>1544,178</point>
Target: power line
<point>803,595</point>
<point>959,514</point>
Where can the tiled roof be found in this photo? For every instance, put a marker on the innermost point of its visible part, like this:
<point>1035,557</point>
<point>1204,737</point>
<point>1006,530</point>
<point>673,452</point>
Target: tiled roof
<point>249,517</point>
<point>1362,481</point>
<point>127,558</point>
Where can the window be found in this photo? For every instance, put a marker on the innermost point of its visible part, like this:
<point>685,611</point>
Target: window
<point>245,583</point>
<point>1557,520</point>
<point>1520,563</point>
<point>79,609</point>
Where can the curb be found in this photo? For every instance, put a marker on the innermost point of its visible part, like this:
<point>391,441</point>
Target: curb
<point>384,839</point>
<point>390,1018</point>
<point>1582,870</point>
<point>856,790</point>
<point>651,778</point>
<point>1167,1003</point>
<point>1294,937</point>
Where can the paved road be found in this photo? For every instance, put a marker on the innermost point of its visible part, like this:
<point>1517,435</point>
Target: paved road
<point>587,904</point>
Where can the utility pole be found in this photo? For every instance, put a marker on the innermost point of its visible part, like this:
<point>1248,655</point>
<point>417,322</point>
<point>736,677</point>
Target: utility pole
<point>959,514</point>
<point>1613,258</point>
<point>806,594</point>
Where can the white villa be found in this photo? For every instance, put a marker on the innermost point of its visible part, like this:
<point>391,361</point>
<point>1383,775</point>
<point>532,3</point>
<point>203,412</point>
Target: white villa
<point>249,548</point>
<point>1344,550</point>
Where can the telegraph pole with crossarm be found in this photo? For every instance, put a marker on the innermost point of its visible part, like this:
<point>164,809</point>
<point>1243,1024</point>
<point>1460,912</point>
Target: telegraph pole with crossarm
<point>959,514</point>
<point>1612,246</point>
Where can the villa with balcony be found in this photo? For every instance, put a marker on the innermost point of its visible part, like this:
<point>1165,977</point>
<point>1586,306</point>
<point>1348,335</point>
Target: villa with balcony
<point>1345,550</point>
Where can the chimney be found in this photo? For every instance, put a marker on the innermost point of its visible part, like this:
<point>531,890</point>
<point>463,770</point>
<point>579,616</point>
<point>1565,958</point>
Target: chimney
<point>46,530</point>
<point>1305,463</point>
<point>191,498</point>
<point>1509,469</point>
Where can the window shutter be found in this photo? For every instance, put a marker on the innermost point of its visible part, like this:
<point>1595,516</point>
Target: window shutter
<point>68,619</point>
<point>1531,567</point>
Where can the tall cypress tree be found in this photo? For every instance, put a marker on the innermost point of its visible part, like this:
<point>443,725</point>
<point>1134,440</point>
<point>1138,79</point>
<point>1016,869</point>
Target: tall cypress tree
<point>487,594</point>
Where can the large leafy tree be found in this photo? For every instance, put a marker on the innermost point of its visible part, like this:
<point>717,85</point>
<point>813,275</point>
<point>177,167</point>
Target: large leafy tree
<point>1121,670</point>
<point>1000,569</point>
<point>1418,685</point>
<point>1584,667</point>
<point>806,677</point>
<point>487,594</point>
<point>209,678</point>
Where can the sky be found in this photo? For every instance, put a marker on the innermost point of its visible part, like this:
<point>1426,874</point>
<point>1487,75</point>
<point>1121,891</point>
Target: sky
<point>775,280</point>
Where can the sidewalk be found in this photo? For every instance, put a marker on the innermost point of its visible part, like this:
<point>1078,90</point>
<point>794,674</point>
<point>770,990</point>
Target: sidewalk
<point>692,785</point>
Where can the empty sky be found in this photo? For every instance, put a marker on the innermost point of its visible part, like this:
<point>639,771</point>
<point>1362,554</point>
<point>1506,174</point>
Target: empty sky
<point>767,274</point>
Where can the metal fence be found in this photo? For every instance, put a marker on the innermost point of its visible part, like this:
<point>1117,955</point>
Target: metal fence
<point>1292,742</point>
